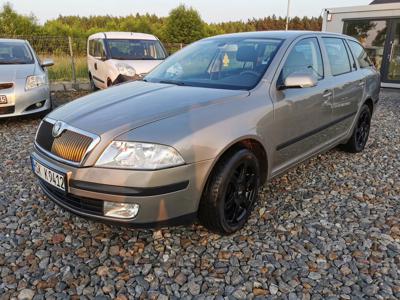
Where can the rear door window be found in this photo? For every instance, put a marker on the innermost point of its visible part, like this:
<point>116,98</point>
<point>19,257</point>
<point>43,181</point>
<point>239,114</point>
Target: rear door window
<point>338,56</point>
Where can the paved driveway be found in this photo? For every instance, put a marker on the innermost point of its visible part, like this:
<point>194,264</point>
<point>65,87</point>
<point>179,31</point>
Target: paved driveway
<point>327,229</point>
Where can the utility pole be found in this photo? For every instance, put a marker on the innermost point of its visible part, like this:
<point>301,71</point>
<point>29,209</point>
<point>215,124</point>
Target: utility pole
<point>288,15</point>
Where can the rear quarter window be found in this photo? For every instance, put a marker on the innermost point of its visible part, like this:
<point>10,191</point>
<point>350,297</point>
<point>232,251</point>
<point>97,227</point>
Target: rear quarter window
<point>360,54</point>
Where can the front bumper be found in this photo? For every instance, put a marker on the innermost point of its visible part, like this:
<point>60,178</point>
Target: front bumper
<point>21,102</point>
<point>165,197</point>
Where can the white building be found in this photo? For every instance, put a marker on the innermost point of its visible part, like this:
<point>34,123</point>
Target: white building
<point>377,27</point>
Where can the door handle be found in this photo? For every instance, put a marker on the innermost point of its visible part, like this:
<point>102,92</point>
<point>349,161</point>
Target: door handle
<point>327,94</point>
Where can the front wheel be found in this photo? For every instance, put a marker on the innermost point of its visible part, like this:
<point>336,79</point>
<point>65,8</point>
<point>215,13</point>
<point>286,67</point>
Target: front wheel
<point>360,134</point>
<point>93,86</point>
<point>231,193</point>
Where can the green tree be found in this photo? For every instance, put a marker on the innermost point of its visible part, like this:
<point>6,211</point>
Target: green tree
<point>13,24</point>
<point>184,25</point>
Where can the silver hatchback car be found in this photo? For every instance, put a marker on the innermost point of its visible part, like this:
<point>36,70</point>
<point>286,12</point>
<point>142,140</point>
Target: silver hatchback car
<point>207,128</point>
<point>24,85</point>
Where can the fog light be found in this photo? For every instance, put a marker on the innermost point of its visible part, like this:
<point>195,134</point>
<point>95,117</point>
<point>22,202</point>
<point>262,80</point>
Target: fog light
<point>120,210</point>
<point>39,104</point>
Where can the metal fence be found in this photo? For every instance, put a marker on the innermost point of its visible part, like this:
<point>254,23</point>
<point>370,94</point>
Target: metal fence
<point>69,55</point>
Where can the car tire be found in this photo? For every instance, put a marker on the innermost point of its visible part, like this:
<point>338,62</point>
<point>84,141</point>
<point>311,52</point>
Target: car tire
<point>360,135</point>
<point>93,86</point>
<point>230,193</point>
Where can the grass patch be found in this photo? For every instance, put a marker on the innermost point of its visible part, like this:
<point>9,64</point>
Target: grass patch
<point>62,69</point>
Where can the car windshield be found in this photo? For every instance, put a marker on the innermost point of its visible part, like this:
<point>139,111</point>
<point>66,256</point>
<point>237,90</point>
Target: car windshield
<point>13,53</point>
<point>128,49</point>
<point>224,63</point>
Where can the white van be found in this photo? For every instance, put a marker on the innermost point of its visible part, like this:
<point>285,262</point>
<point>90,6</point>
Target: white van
<point>115,57</point>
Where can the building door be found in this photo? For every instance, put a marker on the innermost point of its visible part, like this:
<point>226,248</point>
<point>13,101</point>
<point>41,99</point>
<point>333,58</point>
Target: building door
<point>391,71</point>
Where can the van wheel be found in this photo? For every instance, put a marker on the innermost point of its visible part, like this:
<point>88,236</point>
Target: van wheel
<point>230,193</point>
<point>360,134</point>
<point>93,87</point>
<point>109,82</point>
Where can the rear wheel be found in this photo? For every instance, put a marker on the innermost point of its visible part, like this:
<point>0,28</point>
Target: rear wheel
<point>231,193</point>
<point>360,134</point>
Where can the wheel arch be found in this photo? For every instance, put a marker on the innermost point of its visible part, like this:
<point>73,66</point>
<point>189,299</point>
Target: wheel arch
<point>254,144</point>
<point>370,104</point>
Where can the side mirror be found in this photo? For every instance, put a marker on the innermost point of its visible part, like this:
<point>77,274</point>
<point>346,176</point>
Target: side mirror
<point>47,63</point>
<point>300,80</point>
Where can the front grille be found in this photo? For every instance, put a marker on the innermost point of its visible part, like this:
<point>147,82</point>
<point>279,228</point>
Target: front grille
<point>7,110</point>
<point>7,85</point>
<point>86,205</point>
<point>70,145</point>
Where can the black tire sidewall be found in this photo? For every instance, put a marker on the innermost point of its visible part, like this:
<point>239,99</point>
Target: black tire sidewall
<point>226,172</point>
<point>357,147</point>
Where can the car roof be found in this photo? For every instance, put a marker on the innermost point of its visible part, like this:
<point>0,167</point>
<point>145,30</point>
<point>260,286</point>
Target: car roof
<point>278,34</point>
<point>13,40</point>
<point>123,35</point>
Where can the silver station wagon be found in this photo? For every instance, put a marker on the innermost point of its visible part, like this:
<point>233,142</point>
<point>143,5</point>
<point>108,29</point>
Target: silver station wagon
<point>205,129</point>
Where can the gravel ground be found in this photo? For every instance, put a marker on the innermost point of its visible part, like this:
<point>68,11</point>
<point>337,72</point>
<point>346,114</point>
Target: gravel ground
<point>328,229</point>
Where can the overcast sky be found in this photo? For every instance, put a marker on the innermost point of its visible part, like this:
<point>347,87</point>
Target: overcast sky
<point>210,10</point>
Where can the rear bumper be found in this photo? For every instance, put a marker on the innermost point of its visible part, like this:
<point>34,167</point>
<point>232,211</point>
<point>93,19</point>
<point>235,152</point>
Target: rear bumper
<point>165,197</point>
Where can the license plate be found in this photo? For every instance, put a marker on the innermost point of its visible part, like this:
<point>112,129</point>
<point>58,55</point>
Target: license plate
<point>3,99</point>
<point>54,178</point>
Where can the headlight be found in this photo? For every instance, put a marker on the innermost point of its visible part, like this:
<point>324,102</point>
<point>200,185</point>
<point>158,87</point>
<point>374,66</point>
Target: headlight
<point>126,70</point>
<point>35,81</point>
<point>139,156</point>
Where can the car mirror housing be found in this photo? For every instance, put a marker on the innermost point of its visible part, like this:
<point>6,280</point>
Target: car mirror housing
<point>300,80</point>
<point>47,63</point>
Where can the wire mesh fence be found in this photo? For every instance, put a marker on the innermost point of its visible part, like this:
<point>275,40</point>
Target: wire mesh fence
<point>69,55</point>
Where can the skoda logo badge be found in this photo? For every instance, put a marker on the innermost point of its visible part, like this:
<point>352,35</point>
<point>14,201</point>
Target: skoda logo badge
<point>58,128</point>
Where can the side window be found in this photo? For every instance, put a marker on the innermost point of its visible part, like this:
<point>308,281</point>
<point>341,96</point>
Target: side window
<point>91,47</point>
<point>337,55</point>
<point>304,57</point>
<point>99,48</point>
<point>360,54</point>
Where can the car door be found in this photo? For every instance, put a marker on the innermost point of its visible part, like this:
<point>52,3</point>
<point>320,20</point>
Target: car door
<point>348,84</point>
<point>99,67</point>
<point>300,114</point>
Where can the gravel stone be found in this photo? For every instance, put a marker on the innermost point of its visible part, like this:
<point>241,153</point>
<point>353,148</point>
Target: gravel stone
<point>327,229</point>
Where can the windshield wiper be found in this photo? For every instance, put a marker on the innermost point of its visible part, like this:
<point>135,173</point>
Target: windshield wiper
<point>180,83</point>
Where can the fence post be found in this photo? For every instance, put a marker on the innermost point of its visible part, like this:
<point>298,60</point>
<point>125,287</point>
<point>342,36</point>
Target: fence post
<point>71,52</point>
<point>181,45</point>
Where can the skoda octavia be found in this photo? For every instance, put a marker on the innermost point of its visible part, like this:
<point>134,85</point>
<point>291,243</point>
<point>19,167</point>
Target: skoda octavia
<point>206,128</point>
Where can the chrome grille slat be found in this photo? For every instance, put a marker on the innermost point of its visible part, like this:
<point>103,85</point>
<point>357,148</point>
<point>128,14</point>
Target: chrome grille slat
<point>72,145</point>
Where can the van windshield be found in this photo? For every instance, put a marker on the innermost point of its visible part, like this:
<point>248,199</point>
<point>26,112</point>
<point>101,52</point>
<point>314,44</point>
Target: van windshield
<point>129,49</point>
<point>15,53</point>
<point>226,63</point>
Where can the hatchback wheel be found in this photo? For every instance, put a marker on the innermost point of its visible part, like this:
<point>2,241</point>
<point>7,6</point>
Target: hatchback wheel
<point>231,193</point>
<point>360,135</point>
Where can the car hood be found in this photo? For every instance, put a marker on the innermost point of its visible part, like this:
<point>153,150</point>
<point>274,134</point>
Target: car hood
<point>140,66</point>
<point>122,108</point>
<point>9,73</point>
